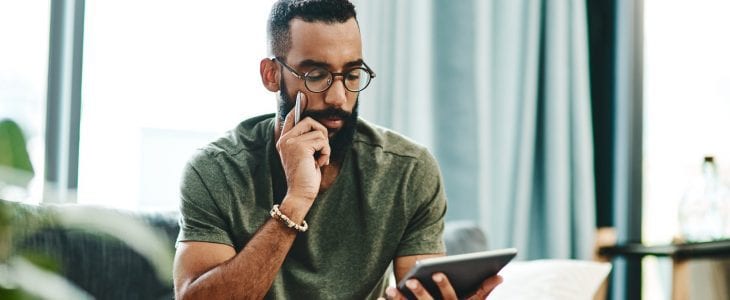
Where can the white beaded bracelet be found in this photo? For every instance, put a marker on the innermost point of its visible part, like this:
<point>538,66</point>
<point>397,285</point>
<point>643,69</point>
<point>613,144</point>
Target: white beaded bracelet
<point>276,214</point>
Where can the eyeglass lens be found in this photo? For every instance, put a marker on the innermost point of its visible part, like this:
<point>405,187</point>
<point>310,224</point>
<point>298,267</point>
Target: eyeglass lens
<point>320,79</point>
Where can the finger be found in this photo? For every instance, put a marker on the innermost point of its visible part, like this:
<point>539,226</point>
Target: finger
<point>317,142</point>
<point>447,291</point>
<point>486,288</point>
<point>418,290</point>
<point>326,151</point>
<point>392,293</point>
<point>307,136</point>
<point>306,125</point>
<point>324,155</point>
<point>311,142</point>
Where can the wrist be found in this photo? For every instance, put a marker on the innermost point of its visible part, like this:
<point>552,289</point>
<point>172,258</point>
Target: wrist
<point>296,208</point>
<point>277,214</point>
<point>298,194</point>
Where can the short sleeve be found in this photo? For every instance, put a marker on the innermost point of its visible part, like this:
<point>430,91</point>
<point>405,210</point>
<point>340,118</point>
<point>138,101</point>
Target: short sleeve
<point>201,218</point>
<point>424,232</point>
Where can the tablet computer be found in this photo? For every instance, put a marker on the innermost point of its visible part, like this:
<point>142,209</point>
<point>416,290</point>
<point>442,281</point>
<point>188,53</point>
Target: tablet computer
<point>465,272</point>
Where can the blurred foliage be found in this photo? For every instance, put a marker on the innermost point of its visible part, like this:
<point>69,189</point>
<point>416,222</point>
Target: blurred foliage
<point>17,268</point>
<point>42,261</point>
<point>32,275</point>
<point>10,217</point>
<point>27,274</point>
<point>15,166</point>
<point>15,294</point>
<point>24,268</point>
<point>13,152</point>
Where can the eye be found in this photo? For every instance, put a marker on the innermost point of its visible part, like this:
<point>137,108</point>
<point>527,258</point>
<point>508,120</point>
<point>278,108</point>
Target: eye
<point>317,74</point>
<point>353,75</point>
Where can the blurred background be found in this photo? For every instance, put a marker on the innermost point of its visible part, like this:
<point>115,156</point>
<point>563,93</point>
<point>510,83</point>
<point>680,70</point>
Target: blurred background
<point>549,119</point>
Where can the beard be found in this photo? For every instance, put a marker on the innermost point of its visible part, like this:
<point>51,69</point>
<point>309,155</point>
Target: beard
<point>341,140</point>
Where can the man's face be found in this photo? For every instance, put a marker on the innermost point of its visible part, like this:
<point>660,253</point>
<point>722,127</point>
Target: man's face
<point>335,46</point>
<point>340,139</point>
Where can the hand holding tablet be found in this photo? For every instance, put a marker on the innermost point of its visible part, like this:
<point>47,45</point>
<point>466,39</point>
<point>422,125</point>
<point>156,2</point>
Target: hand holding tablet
<point>465,272</point>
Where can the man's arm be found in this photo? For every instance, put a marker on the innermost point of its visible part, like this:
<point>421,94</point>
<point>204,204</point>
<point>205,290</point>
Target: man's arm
<point>404,263</point>
<point>214,271</point>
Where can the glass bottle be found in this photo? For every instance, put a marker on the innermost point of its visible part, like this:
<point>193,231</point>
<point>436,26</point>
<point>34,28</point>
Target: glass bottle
<point>701,211</point>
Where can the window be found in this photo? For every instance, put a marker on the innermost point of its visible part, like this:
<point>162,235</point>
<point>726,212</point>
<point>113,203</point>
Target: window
<point>687,100</point>
<point>23,78</point>
<point>160,79</point>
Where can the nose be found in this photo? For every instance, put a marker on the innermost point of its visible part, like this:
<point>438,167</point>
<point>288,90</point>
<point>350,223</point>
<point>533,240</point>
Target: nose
<point>336,95</point>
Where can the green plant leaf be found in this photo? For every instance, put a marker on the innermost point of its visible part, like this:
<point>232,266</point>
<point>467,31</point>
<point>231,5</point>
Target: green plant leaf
<point>15,294</point>
<point>41,260</point>
<point>15,165</point>
<point>41,283</point>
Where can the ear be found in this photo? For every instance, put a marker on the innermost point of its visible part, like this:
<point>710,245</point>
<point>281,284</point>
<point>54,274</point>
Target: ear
<point>269,71</point>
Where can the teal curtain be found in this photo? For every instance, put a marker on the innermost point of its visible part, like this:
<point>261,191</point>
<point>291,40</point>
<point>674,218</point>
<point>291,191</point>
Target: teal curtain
<point>498,90</point>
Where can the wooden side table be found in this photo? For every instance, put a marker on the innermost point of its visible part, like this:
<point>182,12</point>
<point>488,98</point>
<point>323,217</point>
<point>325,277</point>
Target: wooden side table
<point>680,254</point>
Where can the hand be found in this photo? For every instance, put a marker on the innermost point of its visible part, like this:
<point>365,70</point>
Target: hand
<point>297,146</point>
<point>447,291</point>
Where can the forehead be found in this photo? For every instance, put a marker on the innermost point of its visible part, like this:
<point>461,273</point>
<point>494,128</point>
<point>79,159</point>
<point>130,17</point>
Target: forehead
<point>332,43</point>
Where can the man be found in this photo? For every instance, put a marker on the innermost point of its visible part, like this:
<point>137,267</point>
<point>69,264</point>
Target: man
<point>316,209</point>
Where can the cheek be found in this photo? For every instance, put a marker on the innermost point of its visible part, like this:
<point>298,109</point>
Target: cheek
<point>352,102</point>
<point>292,85</point>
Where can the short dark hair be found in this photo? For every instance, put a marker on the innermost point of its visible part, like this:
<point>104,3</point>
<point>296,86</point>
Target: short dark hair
<point>283,11</point>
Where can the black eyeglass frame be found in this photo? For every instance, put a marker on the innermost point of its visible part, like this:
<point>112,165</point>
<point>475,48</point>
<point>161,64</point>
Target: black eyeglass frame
<point>333,75</point>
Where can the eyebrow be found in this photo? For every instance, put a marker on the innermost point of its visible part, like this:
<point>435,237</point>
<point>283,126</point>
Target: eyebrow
<point>313,63</point>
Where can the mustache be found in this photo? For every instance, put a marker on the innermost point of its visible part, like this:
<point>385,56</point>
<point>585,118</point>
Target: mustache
<point>327,113</point>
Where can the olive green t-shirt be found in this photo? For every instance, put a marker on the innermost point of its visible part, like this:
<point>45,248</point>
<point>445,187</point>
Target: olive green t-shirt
<point>387,201</point>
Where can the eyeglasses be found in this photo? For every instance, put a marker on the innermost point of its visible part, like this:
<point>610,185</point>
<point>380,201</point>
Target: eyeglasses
<point>320,79</point>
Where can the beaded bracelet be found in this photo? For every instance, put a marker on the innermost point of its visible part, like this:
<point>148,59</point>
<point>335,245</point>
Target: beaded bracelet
<point>276,214</point>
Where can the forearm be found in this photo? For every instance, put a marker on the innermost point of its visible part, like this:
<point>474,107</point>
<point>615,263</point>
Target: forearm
<point>250,273</point>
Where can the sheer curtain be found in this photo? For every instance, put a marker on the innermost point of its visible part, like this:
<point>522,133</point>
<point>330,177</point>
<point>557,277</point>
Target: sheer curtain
<point>498,90</point>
